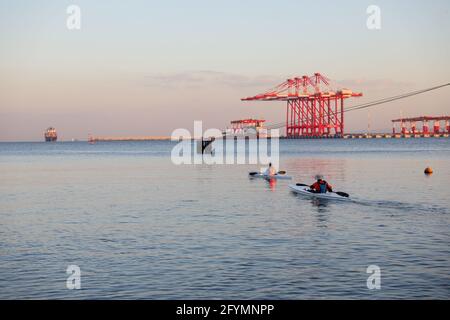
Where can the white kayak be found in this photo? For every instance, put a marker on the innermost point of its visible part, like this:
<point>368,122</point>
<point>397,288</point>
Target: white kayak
<point>275,176</point>
<point>305,190</point>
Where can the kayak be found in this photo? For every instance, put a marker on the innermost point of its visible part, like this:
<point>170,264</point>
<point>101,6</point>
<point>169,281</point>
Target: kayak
<point>305,190</point>
<point>275,176</point>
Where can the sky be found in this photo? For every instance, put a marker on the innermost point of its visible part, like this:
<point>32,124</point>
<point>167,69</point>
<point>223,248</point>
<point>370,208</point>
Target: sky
<point>140,68</point>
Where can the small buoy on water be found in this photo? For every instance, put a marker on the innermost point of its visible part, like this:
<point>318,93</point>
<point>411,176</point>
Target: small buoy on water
<point>428,170</point>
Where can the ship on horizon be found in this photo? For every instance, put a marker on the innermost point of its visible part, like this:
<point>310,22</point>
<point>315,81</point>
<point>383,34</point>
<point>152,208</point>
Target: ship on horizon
<point>50,134</point>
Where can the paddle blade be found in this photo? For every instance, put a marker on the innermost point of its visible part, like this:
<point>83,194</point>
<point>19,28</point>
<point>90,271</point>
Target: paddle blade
<point>301,185</point>
<point>343,194</point>
<point>253,173</point>
<point>281,172</point>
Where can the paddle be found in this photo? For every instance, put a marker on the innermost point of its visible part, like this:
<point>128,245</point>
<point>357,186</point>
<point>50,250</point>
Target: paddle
<point>342,194</point>
<point>255,173</point>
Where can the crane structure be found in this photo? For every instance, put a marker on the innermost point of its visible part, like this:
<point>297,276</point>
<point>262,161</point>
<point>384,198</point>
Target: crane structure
<point>241,126</point>
<point>412,124</point>
<point>313,109</point>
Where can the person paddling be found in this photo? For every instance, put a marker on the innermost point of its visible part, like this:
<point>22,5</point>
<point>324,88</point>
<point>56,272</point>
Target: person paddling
<point>321,186</point>
<point>271,171</point>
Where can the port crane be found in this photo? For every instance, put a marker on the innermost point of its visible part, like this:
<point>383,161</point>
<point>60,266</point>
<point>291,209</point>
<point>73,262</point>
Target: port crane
<point>313,108</point>
<point>319,114</point>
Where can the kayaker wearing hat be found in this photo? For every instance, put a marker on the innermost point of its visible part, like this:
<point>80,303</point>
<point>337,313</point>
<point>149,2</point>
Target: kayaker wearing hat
<point>321,186</point>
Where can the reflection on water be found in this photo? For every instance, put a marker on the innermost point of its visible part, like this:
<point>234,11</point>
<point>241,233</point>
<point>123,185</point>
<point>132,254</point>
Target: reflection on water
<point>140,227</point>
<point>321,204</point>
<point>267,183</point>
<point>272,183</point>
<point>331,169</point>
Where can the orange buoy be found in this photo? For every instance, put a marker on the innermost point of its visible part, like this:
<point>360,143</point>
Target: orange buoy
<point>428,170</point>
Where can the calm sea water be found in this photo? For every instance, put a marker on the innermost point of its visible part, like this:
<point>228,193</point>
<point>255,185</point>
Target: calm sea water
<point>140,227</point>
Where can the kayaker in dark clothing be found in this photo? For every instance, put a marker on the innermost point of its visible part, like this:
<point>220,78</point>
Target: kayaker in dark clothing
<point>321,186</point>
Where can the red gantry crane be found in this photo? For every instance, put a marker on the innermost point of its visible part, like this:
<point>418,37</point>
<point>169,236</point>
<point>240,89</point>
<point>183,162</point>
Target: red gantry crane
<point>317,114</point>
<point>425,124</point>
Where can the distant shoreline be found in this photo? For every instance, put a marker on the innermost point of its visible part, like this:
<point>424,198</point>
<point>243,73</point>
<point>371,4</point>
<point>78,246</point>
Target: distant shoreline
<point>144,138</point>
<point>348,136</point>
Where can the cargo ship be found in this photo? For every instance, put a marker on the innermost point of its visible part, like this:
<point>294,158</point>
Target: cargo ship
<point>50,134</point>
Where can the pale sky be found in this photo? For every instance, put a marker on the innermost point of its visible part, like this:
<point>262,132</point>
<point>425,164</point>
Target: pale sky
<point>149,67</point>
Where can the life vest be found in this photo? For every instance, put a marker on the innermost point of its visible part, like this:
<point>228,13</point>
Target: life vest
<point>323,187</point>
